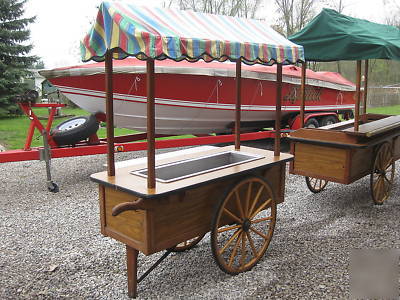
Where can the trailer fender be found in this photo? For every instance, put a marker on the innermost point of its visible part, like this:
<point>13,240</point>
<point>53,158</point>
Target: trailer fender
<point>322,118</point>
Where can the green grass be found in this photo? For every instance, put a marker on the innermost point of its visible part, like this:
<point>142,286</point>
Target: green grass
<point>13,129</point>
<point>386,110</point>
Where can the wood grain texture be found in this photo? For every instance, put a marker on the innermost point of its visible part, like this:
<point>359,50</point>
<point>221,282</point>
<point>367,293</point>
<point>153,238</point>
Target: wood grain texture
<point>314,161</point>
<point>102,209</point>
<point>276,176</point>
<point>129,224</point>
<point>361,163</point>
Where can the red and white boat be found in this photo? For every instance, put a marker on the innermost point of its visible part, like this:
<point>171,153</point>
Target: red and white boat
<point>199,98</point>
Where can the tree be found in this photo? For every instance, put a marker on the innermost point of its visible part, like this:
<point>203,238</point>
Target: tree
<point>14,59</point>
<point>295,14</point>
<point>239,8</point>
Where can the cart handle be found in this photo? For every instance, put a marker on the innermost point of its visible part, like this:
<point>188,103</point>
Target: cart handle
<point>120,208</point>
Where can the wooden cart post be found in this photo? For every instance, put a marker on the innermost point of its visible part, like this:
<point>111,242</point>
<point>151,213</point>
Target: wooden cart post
<point>365,96</point>
<point>358,96</point>
<point>151,152</point>
<point>109,113</point>
<point>278,106</point>
<point>303,92</point>
<point>238,102</point>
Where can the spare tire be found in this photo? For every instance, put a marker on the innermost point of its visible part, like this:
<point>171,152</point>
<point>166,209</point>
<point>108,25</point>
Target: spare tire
<point>74,130</point>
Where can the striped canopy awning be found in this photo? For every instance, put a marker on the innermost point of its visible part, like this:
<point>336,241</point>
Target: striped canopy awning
<point>161,33</point>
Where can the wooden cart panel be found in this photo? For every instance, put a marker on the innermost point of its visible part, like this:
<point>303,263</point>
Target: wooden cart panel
<point>174,218</point>
<point>314,160</point>
<point>337,154</point>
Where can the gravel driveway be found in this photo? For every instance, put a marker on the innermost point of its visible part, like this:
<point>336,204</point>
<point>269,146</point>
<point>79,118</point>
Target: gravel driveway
<point>51,246</point>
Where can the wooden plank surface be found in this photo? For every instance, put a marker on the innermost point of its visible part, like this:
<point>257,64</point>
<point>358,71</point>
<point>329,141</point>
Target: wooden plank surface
<point>376,127</point>
<point>136,185</point>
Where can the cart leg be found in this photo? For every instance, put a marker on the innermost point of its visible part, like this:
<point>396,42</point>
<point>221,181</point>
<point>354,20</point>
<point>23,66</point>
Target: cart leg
<point>131,261</point>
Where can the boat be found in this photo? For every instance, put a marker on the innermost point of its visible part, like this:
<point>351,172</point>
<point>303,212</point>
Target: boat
<point>199,98</point>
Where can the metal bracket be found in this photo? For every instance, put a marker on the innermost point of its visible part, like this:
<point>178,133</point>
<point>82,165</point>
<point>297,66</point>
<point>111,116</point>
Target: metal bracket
<point>45,155</point>
<point>164,256</point>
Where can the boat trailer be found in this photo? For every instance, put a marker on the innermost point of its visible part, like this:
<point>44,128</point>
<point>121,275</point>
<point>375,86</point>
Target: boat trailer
<point>94,145</point>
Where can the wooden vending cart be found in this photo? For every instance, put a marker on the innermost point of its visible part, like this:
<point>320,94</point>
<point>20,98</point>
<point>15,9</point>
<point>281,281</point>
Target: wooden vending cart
<point>232,191</point>
<point>369,144</point>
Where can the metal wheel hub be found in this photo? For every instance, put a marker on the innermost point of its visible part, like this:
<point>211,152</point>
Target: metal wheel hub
<point>246,225</point>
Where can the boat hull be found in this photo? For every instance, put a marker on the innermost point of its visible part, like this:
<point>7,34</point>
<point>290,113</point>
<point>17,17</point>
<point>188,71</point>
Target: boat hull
<point>196,104</point>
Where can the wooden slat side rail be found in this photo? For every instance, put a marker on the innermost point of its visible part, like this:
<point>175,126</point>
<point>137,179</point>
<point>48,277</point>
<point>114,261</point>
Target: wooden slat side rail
<point>376,127</point>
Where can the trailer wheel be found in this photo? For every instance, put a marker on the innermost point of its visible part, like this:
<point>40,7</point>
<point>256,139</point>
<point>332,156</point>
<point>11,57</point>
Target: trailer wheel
<point>187,245</point>
<point>243,224</point>
<point>311,123</point>
<point>328,120</point>
<point>75,130</point>
<point>382,174</point>
<point>316,185</point>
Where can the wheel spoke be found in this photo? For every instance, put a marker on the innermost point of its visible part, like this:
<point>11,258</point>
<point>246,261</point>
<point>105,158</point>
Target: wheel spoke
<point>262,219</point>
<point>262,206</point>
<point>230,241</point>
<point>239,205</point>
<point>379,188</point>
<point>233,254</point>
<point>253,248</point>
<point>220,230</point>
<point>246,205</point>
<point>387,179</point>
<point>232,215</point>
<point>259,233</point>
<point>243,257</point>
<point>315,183</point>
<point>255,200</point>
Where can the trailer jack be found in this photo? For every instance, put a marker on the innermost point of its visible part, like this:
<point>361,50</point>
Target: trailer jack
<point>45,155</point>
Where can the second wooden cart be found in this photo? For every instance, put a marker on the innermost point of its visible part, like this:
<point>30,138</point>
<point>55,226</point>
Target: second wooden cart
<point>367,145</point>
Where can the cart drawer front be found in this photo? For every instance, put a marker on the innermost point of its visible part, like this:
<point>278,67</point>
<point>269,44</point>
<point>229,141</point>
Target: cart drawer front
<point>320,161</point>
<point>129,226</point>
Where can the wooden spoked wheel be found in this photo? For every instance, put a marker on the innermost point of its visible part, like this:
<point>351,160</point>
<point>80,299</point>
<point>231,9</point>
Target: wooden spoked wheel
<point>316,185</point>
<point>382,174</point>
<point>243,225</point>
<point>187,245</point>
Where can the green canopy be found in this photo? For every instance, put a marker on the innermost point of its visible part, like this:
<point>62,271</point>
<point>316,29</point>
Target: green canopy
<point>331,36</point>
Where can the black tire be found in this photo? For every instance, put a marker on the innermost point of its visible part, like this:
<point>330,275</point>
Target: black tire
<point>311,123</point>
<point>328,120</point>
<point>75,130</point>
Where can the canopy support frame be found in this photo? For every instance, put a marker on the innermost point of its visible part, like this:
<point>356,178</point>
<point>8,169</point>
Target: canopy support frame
<point>278,106</point>
<point>109,113</point>
<point>238,103</point>
<point>151,152</point>
<point>303,92</point>
<point>358,97</point>
<point>365,95</point>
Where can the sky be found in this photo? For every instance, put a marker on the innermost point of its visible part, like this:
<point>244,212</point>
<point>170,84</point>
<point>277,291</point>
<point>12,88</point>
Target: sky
<point>61,24</point>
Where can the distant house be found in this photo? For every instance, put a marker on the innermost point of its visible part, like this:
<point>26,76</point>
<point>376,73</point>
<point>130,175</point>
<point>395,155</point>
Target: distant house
<point>34,82</point>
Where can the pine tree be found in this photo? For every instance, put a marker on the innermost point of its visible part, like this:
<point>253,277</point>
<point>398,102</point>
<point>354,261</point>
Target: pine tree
<point>14,50</point>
